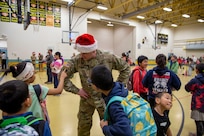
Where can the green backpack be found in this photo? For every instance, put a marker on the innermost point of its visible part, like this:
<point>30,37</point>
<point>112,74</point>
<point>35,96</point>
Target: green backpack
<point>19,126</point>
<point>139,113</point>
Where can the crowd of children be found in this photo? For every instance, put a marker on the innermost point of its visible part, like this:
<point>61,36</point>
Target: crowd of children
<point>155,86</point>
<point>22,103</point>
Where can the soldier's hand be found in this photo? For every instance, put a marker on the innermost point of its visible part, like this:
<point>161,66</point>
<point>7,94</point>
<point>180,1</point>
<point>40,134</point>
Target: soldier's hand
<point>63,74</point>
<point>103,123</point>
<point>83,94</point>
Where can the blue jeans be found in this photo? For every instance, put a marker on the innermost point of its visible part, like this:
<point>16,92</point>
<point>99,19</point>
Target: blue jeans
<point>49,74</point>
<point>56,81</point>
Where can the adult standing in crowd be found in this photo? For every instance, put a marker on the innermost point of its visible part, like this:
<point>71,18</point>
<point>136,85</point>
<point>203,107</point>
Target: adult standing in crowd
<point>173,64</point>
<point>33,59</point>
<point>4,59</point>
<point>202,59</point>
<point>160,79</point>
<point>194,59</point>
<point>83,63</point>
<point>40,59</point>
<point>49,60</point>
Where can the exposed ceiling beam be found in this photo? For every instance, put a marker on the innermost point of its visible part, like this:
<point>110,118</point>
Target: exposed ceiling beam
<point>119,5</point>
<point>77,1</point>
<point>140,11</point>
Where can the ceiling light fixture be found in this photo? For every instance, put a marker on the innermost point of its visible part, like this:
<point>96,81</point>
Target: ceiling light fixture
<point>158,22</point>
<point>186,15</point>
<point>140,17</point>
<point>174,25</point>
<point>89,22</point>
<point>69,1</point>
<point>102,7</point>
<point>110,24</point>
<point>201,20</point>
<point>167,9</point>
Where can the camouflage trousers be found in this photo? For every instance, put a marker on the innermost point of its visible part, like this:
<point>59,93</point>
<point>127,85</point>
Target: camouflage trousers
<point>86,111</point>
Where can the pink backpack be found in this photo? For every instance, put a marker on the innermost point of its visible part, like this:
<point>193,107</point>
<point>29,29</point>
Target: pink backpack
<point>42,102</point>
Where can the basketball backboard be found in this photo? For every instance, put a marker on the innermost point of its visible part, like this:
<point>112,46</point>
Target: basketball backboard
<point>69,36</point>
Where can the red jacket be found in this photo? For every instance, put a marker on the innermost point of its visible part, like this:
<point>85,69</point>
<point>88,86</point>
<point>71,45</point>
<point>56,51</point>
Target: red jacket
<point>137,80</point>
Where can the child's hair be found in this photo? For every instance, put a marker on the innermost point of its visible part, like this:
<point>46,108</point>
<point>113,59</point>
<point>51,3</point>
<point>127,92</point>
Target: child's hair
<point>58,53</point>
<point>161,60</point>
<point>102,77</point>
<point>60,56</point>
<point>159,95</point>
<point>174,56</point>
<point>123,54</point>
<point>12,94</point>
<point>200,68</point>
<point>22,71</point>
<point>141,58</point>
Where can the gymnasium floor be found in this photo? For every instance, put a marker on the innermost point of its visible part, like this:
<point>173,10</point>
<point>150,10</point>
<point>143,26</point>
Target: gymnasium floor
<point>63,109</point>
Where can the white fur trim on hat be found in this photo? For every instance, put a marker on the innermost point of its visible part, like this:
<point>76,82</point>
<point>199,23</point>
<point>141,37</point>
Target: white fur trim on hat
<point>86,48</point>
<point>26,73</point>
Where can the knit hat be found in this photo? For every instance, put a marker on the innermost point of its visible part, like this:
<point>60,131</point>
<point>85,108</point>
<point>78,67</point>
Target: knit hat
<point>27,72</point>
<point>86,43</point>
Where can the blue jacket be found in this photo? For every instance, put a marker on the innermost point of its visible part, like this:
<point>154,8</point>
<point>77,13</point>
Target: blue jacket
<point>160,80</point>
<point>196,87</point>
<point>119,124</point>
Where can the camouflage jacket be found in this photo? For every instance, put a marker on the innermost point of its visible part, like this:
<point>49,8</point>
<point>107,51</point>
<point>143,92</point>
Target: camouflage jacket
<point>77,64</point>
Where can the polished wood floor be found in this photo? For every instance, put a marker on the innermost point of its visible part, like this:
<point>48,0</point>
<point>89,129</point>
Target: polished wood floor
<point>63,109</point>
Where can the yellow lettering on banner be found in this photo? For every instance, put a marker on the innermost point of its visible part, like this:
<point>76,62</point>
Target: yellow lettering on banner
<point>5,19</point>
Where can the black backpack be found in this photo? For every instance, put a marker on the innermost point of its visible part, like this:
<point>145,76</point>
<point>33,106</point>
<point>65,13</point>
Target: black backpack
<point>130,80</point>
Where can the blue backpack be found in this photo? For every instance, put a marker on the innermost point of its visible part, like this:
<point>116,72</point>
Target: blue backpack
<point>139,113</point>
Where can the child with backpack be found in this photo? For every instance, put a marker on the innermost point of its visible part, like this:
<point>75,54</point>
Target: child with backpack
<point>24,71</point>
<point>160,79</point>
<point>117,121</point>
<point>139,73</point>
<point>163,103</point>
<point>14,102</point>
<point>196,87</point>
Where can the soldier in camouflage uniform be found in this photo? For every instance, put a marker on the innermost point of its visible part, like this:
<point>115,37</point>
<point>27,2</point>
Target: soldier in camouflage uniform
<point>33,59</point>
<point>83,63</point>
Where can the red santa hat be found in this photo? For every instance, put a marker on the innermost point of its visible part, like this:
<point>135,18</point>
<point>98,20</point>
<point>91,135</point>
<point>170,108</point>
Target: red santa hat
<point>86,43</point>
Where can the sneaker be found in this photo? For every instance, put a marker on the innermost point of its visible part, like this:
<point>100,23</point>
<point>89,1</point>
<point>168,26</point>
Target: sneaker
<point>48,82</point>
